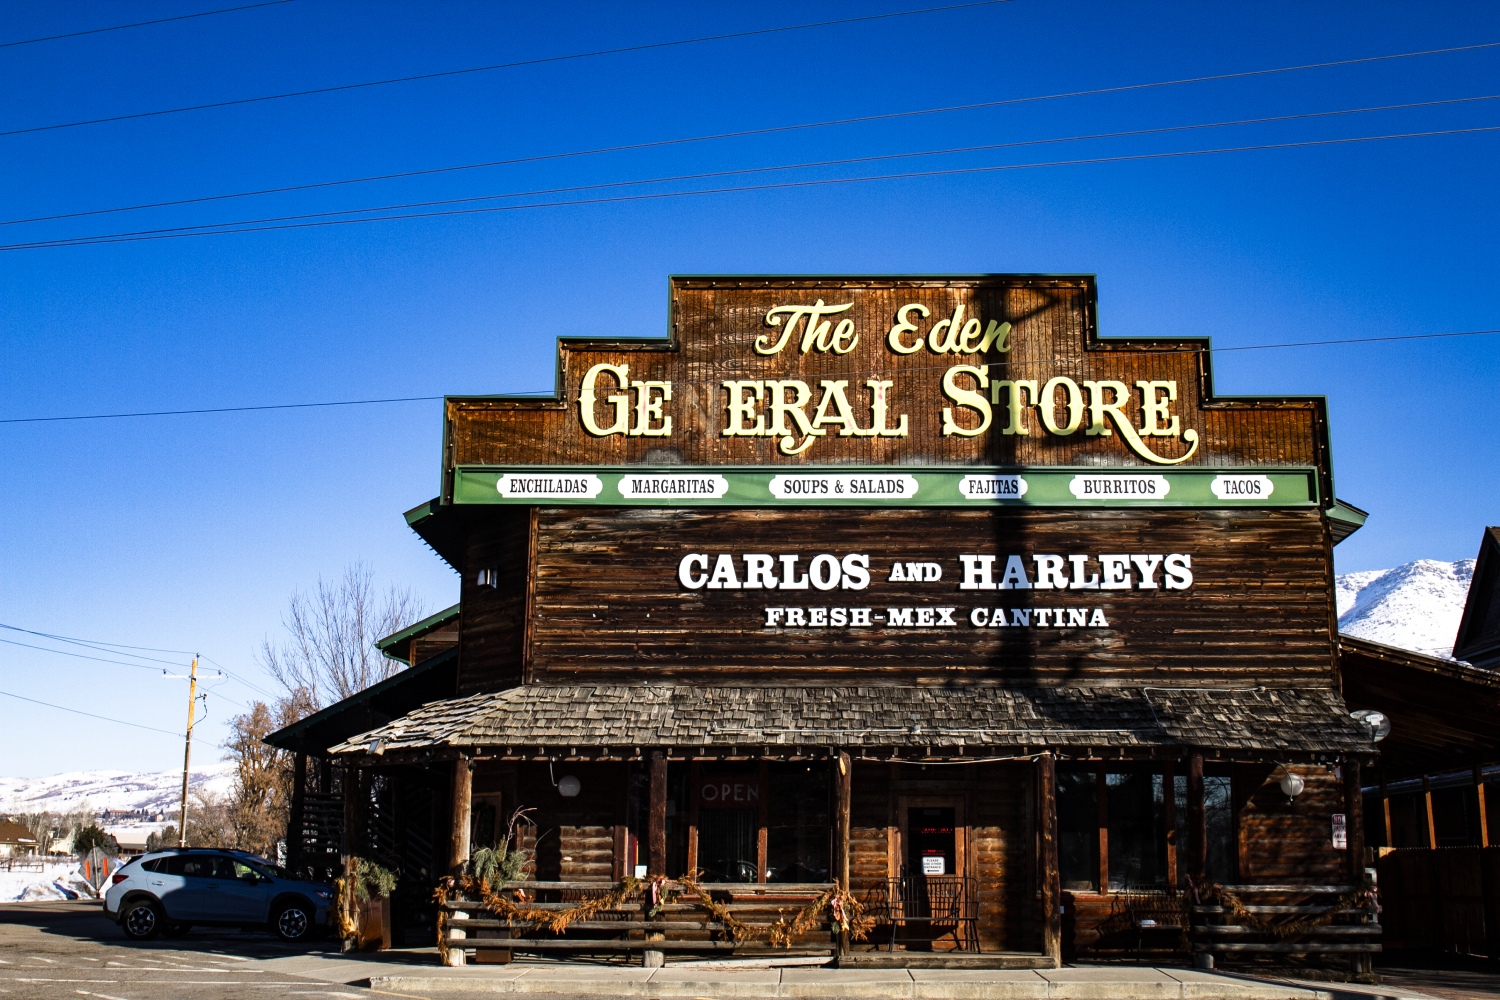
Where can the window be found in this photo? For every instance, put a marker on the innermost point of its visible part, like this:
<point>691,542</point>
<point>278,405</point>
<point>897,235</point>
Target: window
<point>1137,831</point>
<point>1078,829</point>
<point>1218,805</point>
<point>191,865</point>
<point>797,828</point>
<point>729,800</point>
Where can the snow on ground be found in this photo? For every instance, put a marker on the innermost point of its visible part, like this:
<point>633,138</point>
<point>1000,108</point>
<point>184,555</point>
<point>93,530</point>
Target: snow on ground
<point>55,881</point>
<point>1416,606</point>
<point>159,791</point>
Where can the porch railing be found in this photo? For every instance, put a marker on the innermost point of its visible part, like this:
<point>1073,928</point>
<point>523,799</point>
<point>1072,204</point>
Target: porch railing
<point>673,924</point>
<point>1280,920</point>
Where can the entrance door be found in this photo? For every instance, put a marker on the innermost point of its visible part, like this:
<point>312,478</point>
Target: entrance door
<point>932,840</point>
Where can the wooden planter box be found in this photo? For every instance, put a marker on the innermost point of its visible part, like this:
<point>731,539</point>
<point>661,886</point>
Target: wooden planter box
<point>375,924</point>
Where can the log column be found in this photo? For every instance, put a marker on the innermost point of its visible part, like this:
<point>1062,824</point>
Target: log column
<point>1101,795</point>
<point>843,776</point>
<point>1354,819</point>
<point>1431,818</point>
<point>1197,831</point>
<point>1385,810</point>
<point>1051,880</point>
<point>656,839</point>
<point>1484,820</point>
<point>1169,814</point>
<point>458,846</point>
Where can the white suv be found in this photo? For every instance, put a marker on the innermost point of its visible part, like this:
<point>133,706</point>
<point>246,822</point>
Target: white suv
<point>170,891</point>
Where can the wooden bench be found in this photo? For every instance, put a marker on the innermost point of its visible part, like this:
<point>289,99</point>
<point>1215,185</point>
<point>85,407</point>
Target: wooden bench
<point>926,908</point>
<point>1343,929</point>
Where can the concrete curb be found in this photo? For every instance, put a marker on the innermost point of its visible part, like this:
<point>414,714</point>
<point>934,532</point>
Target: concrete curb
<point>849,984</point>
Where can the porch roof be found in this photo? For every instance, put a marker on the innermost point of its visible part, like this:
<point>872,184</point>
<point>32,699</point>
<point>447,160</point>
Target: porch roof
<point>1266,722</point>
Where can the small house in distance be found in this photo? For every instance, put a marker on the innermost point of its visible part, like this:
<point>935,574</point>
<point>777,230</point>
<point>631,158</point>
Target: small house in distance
<point>15,839</point>
<point>908,609</point>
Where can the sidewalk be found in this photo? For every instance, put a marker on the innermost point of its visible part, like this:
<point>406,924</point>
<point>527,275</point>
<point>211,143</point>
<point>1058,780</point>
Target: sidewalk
<point>1084,983</point>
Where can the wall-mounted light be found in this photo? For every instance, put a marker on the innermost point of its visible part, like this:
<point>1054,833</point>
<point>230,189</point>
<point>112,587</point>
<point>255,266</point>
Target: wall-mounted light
<point>569,787</point>
<point>377,747</point>
<point>488,578</point>
<point>1377,722</point>
<point>1292,785</point>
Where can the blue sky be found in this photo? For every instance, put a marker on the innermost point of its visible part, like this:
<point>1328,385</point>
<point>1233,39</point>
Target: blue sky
<point>190,532</point>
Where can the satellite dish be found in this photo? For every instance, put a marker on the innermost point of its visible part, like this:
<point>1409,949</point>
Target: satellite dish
<point>1377,722</point>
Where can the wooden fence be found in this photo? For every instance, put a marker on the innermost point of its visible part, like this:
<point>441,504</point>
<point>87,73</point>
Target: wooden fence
<point>1443,899</point>
<point>677,926</point>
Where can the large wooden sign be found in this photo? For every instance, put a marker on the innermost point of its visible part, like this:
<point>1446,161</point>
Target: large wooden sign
<point>1004,372</point>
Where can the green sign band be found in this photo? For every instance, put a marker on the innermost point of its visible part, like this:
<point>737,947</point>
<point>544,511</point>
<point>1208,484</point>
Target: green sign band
<point>885,486</point>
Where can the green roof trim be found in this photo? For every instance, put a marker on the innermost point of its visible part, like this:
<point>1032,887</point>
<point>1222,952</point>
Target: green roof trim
<point>429,624</point>
<point>1345,519</point>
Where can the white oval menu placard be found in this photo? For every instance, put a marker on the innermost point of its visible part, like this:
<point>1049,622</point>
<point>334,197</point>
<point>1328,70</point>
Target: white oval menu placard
<point>672,486</point>
<point>1242,487</point>
<point>1119,487</point>
<point>843,486</point>
<point>549,486</point>
<point>992,487</point>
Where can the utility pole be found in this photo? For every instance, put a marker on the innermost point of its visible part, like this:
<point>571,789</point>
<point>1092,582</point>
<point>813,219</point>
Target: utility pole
<point>187,752</point>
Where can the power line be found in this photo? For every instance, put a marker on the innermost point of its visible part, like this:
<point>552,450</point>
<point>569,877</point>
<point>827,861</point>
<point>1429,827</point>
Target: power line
<point>141,24</point>
<point>221,229</point>
<point>554,394</point>
<point>91,715</point>
<point>743,171</point>
<point>93,642</point>
<point>543,60</point>
<point>82,656</point>
<point>713,137</point>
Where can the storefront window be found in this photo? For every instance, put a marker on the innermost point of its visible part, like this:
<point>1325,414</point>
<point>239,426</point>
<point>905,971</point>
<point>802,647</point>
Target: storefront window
<point>729,803</point>
<point>798,830</point>
<point>1218,805</point>
<point>1137,831</point>
<point>1078,829</point>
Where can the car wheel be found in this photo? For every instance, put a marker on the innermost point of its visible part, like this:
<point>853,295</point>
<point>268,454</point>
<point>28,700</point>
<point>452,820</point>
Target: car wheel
<point>176,930</point>
<point>293,922</point>
<point>141,920</point>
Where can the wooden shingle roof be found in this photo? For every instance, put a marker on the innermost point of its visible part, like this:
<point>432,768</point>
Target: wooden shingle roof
<point>1265,721</point>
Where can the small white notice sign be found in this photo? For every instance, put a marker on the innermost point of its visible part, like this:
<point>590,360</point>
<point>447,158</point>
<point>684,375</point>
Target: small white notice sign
<point>1119,487</point>
<point>843,486</point>
<point>934,865</point>
<point>1242,487</point>
<point>549,486</point>
<point>992,487</point>
<point>1340,832</point>
<point>673,486</point>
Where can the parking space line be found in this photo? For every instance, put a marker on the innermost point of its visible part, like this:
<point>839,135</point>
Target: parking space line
<point>101,996</point>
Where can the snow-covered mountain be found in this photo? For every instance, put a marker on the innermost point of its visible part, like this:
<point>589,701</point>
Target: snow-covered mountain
<point>114,790</point>
<point>1416,606</point>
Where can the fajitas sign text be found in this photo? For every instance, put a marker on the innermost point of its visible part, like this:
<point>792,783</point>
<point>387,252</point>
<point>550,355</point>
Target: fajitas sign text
<point>797,414</point>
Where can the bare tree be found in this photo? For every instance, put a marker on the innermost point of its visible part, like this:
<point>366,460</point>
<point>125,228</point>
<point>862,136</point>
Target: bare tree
<point>330,650</point>
<point>260,802</point>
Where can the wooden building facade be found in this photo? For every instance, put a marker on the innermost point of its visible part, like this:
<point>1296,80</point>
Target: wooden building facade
<point>912,592</point>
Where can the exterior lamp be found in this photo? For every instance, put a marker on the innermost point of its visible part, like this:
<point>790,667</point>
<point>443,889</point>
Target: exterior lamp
<point>1292,785</point>
<point>1377,722</point>
<point>377,747</point>
<point>569,787</point>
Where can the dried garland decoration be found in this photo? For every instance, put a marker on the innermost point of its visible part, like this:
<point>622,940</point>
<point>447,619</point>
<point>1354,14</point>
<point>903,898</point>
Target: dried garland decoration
<point>362,879</point>
<point>1363,898</point>
<point>846,912</point>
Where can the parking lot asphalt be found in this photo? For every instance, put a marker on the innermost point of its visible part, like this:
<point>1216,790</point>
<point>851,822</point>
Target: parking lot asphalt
<point>71,950</point>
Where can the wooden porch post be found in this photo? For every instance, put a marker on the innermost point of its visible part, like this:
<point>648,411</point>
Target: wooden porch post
<point>656,817</point>
<point>1484,820</point>
<point>295,815</point>
<point>843,775</point>
<point>1101,794</point>
<point>1385,808</point>
<point>1431,819</point>
<point>1051,881</point>
<point>458,845</point>
<point>1169,815</point>
<point>1354,819</point>
<point>463,802</point>
<point>762,834</point>
<point>350,840</point>
<point>656,850</point>
<point>1197,821</point>
<point>695,775</point>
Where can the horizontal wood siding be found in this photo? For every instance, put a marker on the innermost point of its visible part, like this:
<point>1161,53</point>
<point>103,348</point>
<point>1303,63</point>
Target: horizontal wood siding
<point>1002,844</point>
<point>574,838</point>
<point>869,813</point>
<point>608,605</point>
<point>1291,844</point>
<point>492,624</point>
